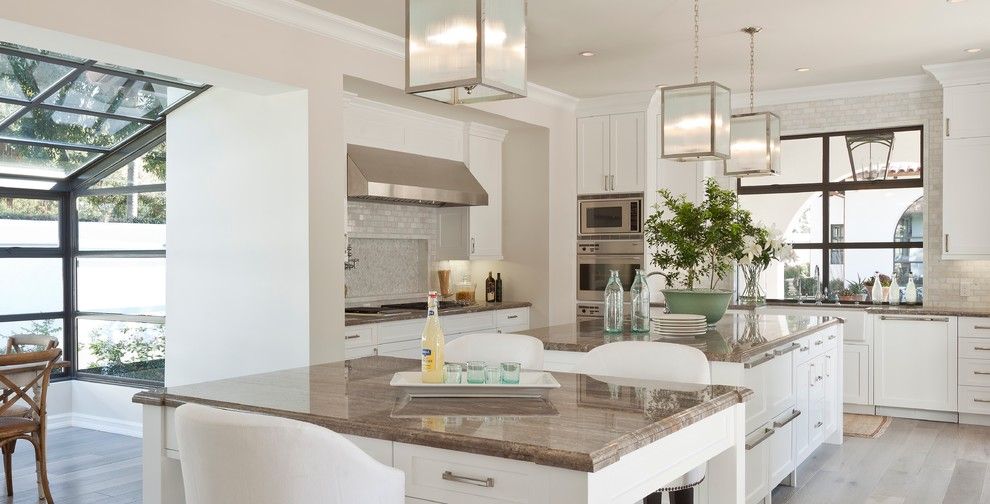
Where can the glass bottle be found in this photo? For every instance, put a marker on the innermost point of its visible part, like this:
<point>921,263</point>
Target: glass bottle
<point>639,316</point>
<point>613,303</point>
<point>498,287</point>
<point>490,288</point>
<point>876,293</point>
<point>432,343</point>
<point>911,291</point>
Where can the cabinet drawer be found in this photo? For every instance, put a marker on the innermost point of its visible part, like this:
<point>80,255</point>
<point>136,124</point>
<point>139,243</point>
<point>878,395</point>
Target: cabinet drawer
<point>470,322</point>
<point>358,352</point>
<point>974,372</point>
<point>822,341</point>
<point>400,331</point>
<point>514,317</point>
<point>449,476</point>
<point>359,336</point>
<point>974,327</point>
<point>974,400</point>
<point>803,353</point>
<point>974,348</point>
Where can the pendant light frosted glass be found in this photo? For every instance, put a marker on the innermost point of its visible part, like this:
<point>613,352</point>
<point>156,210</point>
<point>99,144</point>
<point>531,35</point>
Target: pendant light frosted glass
<point>756,135</point>
<point>466,51</point>
<point>695,119</point>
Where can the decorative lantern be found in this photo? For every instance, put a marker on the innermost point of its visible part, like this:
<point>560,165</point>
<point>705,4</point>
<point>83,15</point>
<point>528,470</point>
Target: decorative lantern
<point>466,51</point>
<point>695,118</point>
<point>756,135</point>
<point>869,154</point>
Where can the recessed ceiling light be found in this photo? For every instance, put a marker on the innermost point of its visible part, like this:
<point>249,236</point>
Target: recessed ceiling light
<point>802,69</point>
<point>973,50</point>
<point>586,53</point>
<point>955,1</point>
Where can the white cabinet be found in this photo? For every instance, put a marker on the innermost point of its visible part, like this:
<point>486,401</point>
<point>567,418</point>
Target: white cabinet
<point>832,403</point>
<point>758,465</point>
<point>770,379</point>
<point>965,177</point>
<point>915,362</point>
<point>781,447</point>
<point>454,240</point>
<point>611,153</point>
<point>485,163</point>
<point>856,374</point>
<point>802,403</point>
<point>966,109</point>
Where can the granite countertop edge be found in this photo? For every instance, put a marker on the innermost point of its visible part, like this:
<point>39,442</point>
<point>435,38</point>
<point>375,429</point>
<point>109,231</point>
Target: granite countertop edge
<point>902,309</point>
<point>350,320</point>
<point>577,461</point>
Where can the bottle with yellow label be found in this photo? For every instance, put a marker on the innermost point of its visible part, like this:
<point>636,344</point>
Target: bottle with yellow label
<point>432,343</point>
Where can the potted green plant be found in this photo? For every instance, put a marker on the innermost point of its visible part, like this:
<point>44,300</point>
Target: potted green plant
<point>854,292</point>
<point>694,246</point>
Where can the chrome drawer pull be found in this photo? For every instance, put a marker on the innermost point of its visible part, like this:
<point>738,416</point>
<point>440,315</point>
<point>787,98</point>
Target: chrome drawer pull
<point>766,435</point>
<point>832,336</point>
<point>352,336</point>
<point>985,349</point>
<point>984,327</point>
<point>512,317</point>
<point>804,349</point>
<point>819,342</point>
<point>981,400</point>
<point>819,424</point>
<point>762,360</point>
<point>486,482</point>
<point>790,418</point>
<point>916,319</point>
<point>787,350</point>
<point>981,372</point>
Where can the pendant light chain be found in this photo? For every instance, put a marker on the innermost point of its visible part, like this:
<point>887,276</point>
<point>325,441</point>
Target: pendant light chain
<point>752,70</point>
<point>697,57</point>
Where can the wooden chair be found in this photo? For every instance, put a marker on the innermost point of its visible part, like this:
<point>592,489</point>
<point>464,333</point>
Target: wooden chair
<point>20,343</point>
<point>24,379</point>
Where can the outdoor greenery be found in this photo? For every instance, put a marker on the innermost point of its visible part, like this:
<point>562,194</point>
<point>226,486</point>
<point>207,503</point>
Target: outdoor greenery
<point>135,351</point>
<point>692,242</point>
<point>28,209</point>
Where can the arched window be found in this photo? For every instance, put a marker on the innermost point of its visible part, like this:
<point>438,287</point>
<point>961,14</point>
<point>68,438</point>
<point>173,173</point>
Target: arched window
<point>910,228</point>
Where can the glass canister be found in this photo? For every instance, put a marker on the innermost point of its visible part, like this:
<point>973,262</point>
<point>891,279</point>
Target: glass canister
<point>639,316</point>
<point>613,303</point>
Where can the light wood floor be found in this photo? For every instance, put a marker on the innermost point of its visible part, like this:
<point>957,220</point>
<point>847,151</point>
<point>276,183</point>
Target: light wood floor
<point>914,462</point>
<point>84,467</point>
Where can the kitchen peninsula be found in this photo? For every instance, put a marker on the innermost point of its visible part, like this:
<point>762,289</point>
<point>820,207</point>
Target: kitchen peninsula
<point>588,441</point>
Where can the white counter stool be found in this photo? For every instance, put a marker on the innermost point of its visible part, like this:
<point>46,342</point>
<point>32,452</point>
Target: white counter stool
<point>495,348</point>
<point>230,456</point>
<point>649,360</point>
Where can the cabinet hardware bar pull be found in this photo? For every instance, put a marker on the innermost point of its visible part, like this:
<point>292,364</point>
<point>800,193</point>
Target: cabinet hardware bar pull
<point>981,348</point>
<point>605,183</point>
<point>981,372</point>
<point>981,400</point>
<point>946,126</point>
<point>917,319</point>
<point>766,435</point>
<point>352,336</point>
<point>804,349</point>
<point>946,242</point>
<point>832,336</point>
<point>762,360</point>
<point>486,482</point>
<point>787,350</point>
<point>819,342</point>
<point>982,327</point>
<point>611,179</point>
<point>790,418</point>
<point>512,317</point>
<point>819,424</point>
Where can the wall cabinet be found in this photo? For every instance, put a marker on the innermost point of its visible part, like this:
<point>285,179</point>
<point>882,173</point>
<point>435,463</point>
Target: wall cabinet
<point>611,153</point>
<point>915,362</point>
<point>485,163</point>
<point>965,176</point>
<point>966,109</point>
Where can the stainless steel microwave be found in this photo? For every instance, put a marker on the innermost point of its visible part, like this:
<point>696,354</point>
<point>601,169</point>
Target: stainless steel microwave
<point>619,216</point>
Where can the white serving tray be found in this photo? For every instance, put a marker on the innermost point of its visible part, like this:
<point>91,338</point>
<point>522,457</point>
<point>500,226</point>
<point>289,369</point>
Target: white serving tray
<point>531,384</point>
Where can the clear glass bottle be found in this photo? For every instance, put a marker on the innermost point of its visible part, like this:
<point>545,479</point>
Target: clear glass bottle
<point>639,313</point>
<point>613,303</point>
<point>876,292</point>
<point>911,291</point>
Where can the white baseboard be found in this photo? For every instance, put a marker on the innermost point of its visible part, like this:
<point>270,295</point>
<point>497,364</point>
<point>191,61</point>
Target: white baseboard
<point>917,414</point>
<point>973,419</point>
<point>861,409</point>
<point>111,425</point>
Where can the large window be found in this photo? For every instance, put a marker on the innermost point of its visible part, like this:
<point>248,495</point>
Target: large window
<point>847,217</point>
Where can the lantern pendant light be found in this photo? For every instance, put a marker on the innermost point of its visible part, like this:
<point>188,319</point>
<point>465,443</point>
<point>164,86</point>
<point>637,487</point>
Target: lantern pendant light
<point>466,51</point>
<point>869,155</point>
<point>756,135</point>
<point>694,118</point>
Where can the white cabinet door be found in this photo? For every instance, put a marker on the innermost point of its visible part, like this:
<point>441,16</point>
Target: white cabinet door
<point>965,177</point>
<point>915,362</point>
<point>485,162</point>
<point>592,154</point>
<point>779,383</point>
<point>758,464</point>
<point>856,374</point>
<point>782,447</point>
<point>802,403</point>
<point>627,152</point>
<point>454,240</point>
<point>832,397</point>
<point>966,109</point>
<point>755,379</point>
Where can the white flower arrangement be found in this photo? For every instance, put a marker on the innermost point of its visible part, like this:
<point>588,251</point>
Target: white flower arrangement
<point>765,245</point>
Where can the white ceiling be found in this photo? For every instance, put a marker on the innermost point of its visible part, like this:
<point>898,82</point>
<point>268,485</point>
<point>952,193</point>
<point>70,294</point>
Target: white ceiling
<point>641,43</point>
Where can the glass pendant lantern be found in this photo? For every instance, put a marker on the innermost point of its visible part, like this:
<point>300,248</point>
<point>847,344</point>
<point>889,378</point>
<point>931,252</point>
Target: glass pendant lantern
<point>755,135</point>
<point>869,154</point>
<point>695,118</point>
<point>466,51</point>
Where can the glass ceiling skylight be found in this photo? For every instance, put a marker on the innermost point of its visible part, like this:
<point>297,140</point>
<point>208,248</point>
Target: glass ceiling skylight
<point>60,114</point>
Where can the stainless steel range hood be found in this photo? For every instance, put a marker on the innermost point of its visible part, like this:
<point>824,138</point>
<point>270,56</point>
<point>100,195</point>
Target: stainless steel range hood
<point>398,177</point>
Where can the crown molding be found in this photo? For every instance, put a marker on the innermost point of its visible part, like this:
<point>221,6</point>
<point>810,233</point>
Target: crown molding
<point>637,101</point>
<point>321,22</point>
<point>911,83</point>
<point>485,131</point>
<point>962,73</point>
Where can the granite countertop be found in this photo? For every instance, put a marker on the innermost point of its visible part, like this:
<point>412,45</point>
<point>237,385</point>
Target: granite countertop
<point>351,320</point>
<point>582,426</point>
<point>735,338</point>
<point>943,311</point>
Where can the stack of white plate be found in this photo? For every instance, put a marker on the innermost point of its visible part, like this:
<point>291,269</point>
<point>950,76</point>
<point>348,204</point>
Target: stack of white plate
<point>676,325</point>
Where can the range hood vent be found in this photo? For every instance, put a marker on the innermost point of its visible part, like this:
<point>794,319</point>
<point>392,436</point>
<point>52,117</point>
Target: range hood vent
<point>397,177</point>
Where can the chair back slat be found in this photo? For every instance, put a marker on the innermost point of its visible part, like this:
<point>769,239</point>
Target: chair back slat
<point>22,343</point>
<point>24,378</point>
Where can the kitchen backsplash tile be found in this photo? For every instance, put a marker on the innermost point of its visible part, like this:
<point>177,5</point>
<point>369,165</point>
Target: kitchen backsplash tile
<point>943,279</point>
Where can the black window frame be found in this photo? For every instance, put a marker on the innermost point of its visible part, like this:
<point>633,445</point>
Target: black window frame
<point>826,187</point>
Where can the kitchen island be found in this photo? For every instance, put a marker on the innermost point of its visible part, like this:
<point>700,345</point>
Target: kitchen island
<point>588,441</point>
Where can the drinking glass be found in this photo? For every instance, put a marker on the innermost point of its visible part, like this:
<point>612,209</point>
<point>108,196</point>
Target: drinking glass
<point>493,375</point>
<point>510,372</point>
<point>476,372</point>
<point>452,372</point>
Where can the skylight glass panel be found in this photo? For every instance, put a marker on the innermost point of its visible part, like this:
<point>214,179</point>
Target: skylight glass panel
<point>47,125</point>
<point>24,78</point>
<point>113,94</point>
<point>7,110</point>
<point>34,160</point>
<point>145,73</point>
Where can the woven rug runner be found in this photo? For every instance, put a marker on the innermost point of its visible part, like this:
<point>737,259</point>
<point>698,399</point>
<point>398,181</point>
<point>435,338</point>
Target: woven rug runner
<point>864,426</point>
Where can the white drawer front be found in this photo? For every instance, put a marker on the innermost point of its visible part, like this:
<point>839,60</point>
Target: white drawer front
<point>512,318</point>
<point>822,341</point>
<point>470,322</point>
<point>803,353</point>
<point>974,348</point>
<point>359,336</point>
<point>974,327</point>
<point>469,478</point>
<point>390,332</point>
<point>974,400</point>
<point>974,372</point>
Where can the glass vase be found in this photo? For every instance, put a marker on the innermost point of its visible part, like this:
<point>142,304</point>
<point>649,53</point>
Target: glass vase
<point>639,316</point>
<point>752,293</point>
<point>613,303</point>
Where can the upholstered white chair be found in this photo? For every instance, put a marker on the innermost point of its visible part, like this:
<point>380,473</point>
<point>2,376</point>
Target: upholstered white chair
<point>649,360</point>
<point>495,348</point>
<point>230,456</point>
